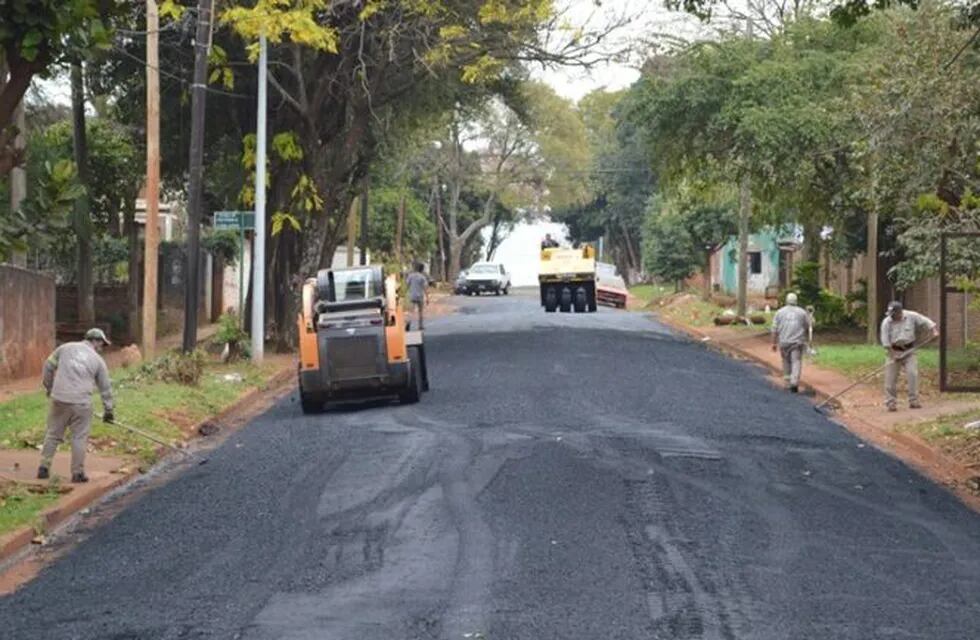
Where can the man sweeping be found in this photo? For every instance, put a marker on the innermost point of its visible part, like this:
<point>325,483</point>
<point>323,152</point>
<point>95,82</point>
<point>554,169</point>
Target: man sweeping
<point>70,374</point>
<point>790,327</point>
<point>899,330</point>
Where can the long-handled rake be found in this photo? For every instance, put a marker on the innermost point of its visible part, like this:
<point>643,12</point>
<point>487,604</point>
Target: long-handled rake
<point>820,407</point>
<point>153,438</point>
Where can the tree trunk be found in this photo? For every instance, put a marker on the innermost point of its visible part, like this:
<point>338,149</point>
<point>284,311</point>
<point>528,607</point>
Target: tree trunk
<point>85,279</point>
<point>133,312</point>
<point>707,276</point>
<point>456,246</point>
<point>872,273</point>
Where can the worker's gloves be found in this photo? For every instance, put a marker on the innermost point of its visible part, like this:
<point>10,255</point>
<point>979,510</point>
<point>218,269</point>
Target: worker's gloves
<point>108,417</point>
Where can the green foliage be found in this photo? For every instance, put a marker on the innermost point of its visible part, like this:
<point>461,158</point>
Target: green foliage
<point>223,243</point>
<point>230,333</point>
<point>668,248</point>
<point>44,215</point>
<point>419,231</point>
<point>176,367</point>
<point>829,309</point>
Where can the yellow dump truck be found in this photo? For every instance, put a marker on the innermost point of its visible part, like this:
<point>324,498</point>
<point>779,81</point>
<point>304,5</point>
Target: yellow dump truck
<point>567,279</point>
<point>354,342</point>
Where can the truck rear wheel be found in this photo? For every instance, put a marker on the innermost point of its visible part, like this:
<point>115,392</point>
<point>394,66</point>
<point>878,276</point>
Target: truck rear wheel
<point>413,392</point>
<point>581,300</point>
<point>566,300</point>
<point>550,299</point>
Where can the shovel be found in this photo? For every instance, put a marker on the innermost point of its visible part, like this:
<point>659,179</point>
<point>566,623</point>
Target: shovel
<point>153,438</point>
<point>820,407</point>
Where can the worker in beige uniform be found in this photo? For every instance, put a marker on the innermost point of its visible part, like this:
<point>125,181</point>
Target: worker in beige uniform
<point>70,373</point>
<point>899,330</point>
<point>790,327</point>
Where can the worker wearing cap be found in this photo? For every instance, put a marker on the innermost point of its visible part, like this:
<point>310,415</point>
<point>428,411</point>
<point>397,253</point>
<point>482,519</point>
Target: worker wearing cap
<point>790,327</point>
<point>898,336</point>
<point>70,374</point>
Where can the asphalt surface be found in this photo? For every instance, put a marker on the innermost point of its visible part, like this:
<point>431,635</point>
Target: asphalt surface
<point>568,477</point>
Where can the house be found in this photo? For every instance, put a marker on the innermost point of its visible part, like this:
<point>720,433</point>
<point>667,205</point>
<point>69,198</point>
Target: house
<point>771,255</point>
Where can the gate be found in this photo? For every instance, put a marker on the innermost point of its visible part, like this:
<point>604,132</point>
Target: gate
<point>959,312</point>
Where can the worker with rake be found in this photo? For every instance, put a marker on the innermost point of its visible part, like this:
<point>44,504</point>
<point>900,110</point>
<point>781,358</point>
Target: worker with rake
<point>898,336</point>
<point>70,373</point>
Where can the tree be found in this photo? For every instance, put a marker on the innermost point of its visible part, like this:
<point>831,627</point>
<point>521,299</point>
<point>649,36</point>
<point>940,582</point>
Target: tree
<point>35,35</point>
<point>419,233</point>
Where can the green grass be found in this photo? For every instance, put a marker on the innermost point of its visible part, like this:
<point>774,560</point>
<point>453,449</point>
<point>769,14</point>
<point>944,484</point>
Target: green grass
<point>949,435</point>
<point>647,293</point>
<point>19,507</point>
<point>158,407</point>
<point>860,359</point>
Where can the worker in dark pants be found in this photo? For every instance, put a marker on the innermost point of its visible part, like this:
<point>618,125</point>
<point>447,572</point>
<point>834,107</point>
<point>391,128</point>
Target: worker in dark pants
<point>898,336</point>
<point>70,374</point>
<point>418,291</point>
<point>790,327</point>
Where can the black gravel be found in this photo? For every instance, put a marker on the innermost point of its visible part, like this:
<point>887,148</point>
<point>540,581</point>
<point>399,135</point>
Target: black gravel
<point>568,477</point>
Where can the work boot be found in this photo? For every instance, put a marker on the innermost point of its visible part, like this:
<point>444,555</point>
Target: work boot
<point>794,389</point>
<point>43,473</point>
<point>892,407</point>
<point>79,477</point>
<point>915,405</point>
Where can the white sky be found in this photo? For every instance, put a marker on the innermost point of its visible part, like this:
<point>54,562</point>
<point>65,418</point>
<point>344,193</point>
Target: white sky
<point>649,25</point>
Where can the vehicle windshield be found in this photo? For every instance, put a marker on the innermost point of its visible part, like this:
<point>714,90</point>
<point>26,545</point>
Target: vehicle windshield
<point>356,284</point>
<point>485,268</point>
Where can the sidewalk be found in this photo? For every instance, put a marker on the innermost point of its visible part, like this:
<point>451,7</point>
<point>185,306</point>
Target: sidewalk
<point>861,410</point>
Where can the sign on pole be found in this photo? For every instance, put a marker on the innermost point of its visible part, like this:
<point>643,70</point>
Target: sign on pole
<point>240,221</point>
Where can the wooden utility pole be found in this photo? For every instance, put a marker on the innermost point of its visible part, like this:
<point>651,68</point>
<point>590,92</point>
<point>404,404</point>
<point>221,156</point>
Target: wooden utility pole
<point>195,188</point>
<point>85,279</point>
<point>152,194</point>
<point>744,215</point>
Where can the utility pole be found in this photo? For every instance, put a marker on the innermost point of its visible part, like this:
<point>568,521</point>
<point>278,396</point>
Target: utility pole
<point>196,187</point>
<point>152,194</point>
<point>872,257</point>
<point>258,256</point>
<point>18,175</point>
<point>352,230</point>
<point>82,222</point>
<point>364,221</point>
<point>400,229</point>
<point>744,215</point>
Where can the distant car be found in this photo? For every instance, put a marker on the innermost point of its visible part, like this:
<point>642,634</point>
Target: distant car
<point>487,277</point>
<point>459,287</point>
<point>610,286</point>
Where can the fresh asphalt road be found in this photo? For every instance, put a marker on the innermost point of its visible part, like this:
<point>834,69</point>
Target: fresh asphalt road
<point>568,477</point>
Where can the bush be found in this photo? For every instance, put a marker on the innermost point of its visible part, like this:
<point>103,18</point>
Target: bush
<point>230,333</point>
<point>176,367</point>
<point>829,309</point>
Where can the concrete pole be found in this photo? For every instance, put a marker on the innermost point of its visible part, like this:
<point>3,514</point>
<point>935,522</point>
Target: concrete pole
<point>872,272</point>
<point>364,221</point>
<point>152,194</point>
<point>18,175</point>
<point>258,259</point>
<point>744,215</point>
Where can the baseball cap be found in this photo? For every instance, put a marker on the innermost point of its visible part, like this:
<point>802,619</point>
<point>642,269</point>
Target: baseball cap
<point>894,306</point>
<point>97,334</point>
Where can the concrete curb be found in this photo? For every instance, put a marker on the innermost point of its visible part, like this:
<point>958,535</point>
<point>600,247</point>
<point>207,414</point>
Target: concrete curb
<point>14,542</point>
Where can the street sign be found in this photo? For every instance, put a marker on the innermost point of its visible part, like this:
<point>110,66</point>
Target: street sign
<point>238,220</point>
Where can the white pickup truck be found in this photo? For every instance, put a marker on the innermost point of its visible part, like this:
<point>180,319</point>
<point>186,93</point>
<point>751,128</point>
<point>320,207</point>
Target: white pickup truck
<point>486,277</point>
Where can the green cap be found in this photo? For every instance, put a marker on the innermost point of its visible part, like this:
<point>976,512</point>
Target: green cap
<point>97,334</point>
